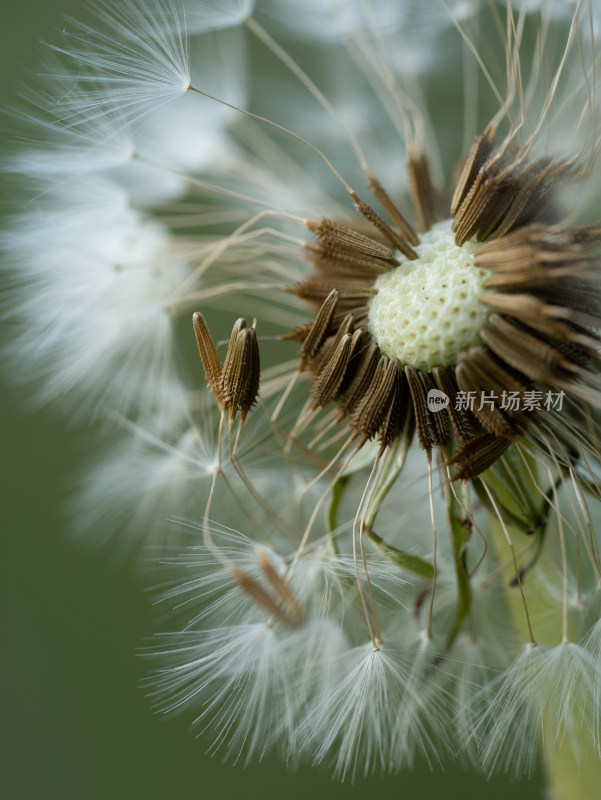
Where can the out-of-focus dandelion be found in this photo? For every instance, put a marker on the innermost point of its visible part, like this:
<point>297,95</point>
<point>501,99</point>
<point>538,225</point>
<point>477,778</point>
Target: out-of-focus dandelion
<point>414,459</point>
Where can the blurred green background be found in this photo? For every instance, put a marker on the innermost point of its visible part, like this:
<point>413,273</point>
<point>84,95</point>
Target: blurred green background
<point>75,722</point>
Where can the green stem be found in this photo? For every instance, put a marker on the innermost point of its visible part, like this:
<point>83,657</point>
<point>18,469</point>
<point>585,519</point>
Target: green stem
<point>568,777</point>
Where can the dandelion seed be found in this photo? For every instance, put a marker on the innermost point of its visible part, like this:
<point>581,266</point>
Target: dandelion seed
<point>546,695</point>
<point>140,58</point>
<point>361,715</point>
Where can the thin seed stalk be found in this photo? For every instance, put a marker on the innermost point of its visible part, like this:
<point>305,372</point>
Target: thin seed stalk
<point>392,466</point>
<point>332,511</point>
<point>459,516</point>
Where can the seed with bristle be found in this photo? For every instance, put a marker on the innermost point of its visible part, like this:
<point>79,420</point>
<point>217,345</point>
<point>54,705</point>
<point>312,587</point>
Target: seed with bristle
<point>370,413</point>
<point>333,236</point>
<point>426,431</point>
<point>387,232</point>
<point>427,201</point>
<point>328,380</point>
<point>347,263</point>
<point>256,592</point>
<point>252,381</point>
<point>478,155</point>
<point>461,421</point>
<point>508,192</point>
<point>361,380</point>
<point>471,380</point>
<point>404,228</point>
<point>523,350</point>
<point>208,354</point>
<point>478,455</point>
<point>352,293</point>
<point>329,346</point>
<point>440,419</point>
<point>319,329</point>
<point>287,599</point>
<point>236,385</point>
<point>241,370</point>
<point>398,409</point>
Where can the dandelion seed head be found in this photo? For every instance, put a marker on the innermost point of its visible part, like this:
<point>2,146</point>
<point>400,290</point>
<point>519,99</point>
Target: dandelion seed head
<point>354,577</point>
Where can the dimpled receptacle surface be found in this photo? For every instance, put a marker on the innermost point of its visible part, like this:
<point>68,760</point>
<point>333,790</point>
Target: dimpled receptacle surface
<point>427,311</point>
